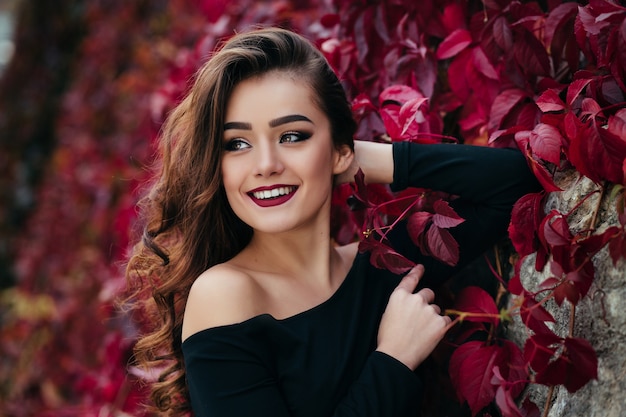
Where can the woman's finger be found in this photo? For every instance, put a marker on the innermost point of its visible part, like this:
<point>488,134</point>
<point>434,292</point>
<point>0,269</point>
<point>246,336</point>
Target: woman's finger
<point>427,294</point>
<point>411,279</point>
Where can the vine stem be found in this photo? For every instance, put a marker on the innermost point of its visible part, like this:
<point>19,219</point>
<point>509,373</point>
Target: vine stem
<point>501,287</point>
<point>546,408</point>
<point>572,316</point>
<point>594,218</point>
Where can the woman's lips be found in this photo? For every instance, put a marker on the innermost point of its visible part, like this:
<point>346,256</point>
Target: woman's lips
<point>272,196</point>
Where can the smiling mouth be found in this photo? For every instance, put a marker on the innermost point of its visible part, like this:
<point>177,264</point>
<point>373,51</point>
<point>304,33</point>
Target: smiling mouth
<point>273,193</point>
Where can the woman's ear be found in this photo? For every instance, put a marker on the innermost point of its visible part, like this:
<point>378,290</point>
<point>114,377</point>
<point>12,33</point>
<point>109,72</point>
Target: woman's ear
<point>343,159</point>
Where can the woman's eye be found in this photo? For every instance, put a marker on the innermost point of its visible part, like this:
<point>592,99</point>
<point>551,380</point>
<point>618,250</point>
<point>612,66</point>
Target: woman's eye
<point>291,137</point>
<point>236,145</point>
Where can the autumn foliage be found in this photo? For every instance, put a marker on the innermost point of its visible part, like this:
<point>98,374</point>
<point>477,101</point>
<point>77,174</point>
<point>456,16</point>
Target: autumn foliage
<point>545,77</point>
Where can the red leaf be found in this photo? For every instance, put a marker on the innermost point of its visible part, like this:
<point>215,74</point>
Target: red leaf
<point>442,245</point>
<point>360,189</point>
<point>453,16</point>
<point>582,278</point>
<point>546,142</point>
<point>445,216</point>
<point>482,64</point>
<point>456,360</point>
<point>362,103</point>
<point>574,367</point>
<point>513,366</point>
<point>534,315</point>
<point>383,257</point>
<point>541,173</point>
<point>591,24</point>
<point>554,230</point>
<point>475,371</point>
<point>505,400</point>
<point>584,358</point>
<point>502,34</point>
<point>411,116</point>
<point>474,299</point>
<point>515,286</point>
<point>508,390</point>
<point>399,94</point>
<point>557,18</point>
<point>566,290</point>
<point>617,248</point>
<point>592,244</point>
<point>525,219</point>
<point>503,105</point>
<point>575,89</point>
<point>454,43</point>
<point>539,350</point>
<point>617,124</point>
<point>475,367</point>
<point>550,101</point>
<point>329,20</point>
<point>390,115</point>
<point>505,138</point>
<point>594,151</point>
<point>530,54</point>
<point>417,224</point>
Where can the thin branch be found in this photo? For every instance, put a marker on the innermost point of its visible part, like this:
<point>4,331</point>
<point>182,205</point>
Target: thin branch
<point>546,408</point>
<point>594,218</point>
<point>501,287</point>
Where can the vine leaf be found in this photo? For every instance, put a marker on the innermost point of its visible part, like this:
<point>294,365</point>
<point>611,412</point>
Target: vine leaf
<point>454,43</point>
<point>533,314</point>
<point>571,362</point>
<point>442,245</point>
<point>445,217</point>
<point>383,257</point>
<point>471,370</point>
<point>504,395</point>
<point>543,175</point>
<point>547,142</point>
<point>550,101</point>
<point>429,232</point>
<point>595,151</point>
<point>526,217</point>
<point>478,303</point>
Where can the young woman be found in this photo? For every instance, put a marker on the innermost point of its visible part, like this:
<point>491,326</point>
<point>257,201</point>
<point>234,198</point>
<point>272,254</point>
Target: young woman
<point>257,311</point>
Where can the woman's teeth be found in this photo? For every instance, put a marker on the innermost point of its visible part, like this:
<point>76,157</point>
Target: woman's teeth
<point>276,192</point>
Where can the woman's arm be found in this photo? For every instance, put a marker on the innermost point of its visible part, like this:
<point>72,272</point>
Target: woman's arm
<point>374,159</point>
<point>245,387</point>
<point>488,181</point>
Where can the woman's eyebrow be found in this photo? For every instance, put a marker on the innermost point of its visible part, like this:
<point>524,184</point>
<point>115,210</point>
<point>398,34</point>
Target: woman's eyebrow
<point>288,119</point>
<point>238,125</point>
<point>273,123</point>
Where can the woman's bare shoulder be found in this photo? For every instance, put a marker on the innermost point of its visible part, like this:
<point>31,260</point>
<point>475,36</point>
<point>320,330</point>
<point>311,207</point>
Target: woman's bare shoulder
<point>222,295</point>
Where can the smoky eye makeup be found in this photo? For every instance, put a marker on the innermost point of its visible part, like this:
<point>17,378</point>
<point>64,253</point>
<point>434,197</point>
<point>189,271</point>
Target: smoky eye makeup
<point>294,136</point>
<point>236,144</point>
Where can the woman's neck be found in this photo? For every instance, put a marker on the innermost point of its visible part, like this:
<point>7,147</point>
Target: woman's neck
<point>297,253</point>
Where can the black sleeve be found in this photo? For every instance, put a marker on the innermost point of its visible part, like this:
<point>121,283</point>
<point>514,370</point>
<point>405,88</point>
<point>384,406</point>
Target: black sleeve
<point>488,181</point>
<point>228,379</point>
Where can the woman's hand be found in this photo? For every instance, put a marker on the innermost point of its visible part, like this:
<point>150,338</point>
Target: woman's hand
<point>376,161</point>
<point>411,326</point>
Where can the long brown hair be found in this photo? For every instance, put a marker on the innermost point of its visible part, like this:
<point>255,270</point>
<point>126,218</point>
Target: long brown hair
<point>188,225</point>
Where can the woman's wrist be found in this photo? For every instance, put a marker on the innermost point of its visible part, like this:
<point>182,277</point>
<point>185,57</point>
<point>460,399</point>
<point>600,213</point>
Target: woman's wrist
<point>375,160</point>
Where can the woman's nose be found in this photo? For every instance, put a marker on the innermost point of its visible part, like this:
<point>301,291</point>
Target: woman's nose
<point>268,160</point>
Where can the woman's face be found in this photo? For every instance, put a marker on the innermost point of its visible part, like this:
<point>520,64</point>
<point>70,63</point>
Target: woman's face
<point>279,158</point>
